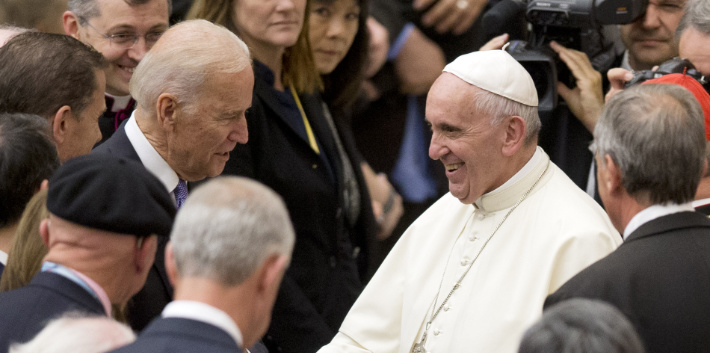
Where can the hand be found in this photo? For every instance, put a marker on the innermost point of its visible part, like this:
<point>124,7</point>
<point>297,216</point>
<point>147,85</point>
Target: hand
<point>378,47</point>
<point>418,64</point>
<point>586,100</point>
<point>618,78</point>
<point>455,16</point>
<point>495,43</point>
<point>387,219</point>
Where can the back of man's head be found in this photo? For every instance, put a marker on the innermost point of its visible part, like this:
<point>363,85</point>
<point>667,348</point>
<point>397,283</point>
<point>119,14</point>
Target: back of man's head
<point>27,157</point>
<point>655,135</point>
<point>183,59</point>
<point>228,228</point>
<point>78,333</point>
<point>41,72</point>
<point>582,326</point>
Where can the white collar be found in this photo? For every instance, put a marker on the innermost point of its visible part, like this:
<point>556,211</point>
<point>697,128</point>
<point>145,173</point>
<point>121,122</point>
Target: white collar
<point>150,158</point>
<point>198,311</point>
<point>524,171</point>
<point>119,102</point>
<point>653,212</point>
<point>3,257</point>
<point>701,202</point>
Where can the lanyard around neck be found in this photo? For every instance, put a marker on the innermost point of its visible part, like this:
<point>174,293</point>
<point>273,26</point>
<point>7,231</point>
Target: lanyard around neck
<point>309,131</point>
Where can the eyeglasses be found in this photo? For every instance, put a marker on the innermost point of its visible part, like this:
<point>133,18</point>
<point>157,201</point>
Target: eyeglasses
<point>128,39</point>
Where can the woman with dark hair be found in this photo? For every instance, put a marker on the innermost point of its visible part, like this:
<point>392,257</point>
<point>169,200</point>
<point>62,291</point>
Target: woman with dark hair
<point>294,148</point>
<point>339,41</point>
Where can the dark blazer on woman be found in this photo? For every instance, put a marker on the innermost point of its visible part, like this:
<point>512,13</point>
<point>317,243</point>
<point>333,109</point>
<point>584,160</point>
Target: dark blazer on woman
<point>330,258</point>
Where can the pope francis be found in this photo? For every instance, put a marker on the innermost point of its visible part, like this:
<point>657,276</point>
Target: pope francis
<point>471,274</point>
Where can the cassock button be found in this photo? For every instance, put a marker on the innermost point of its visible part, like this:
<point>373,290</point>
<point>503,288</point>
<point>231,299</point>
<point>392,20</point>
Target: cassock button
<point>447,307</point>
<point>473,238</point>
<point>464,261</point>
<point>437,332</point>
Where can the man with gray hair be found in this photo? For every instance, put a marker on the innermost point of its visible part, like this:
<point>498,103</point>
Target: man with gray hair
<point>193,89</point>
<point>123,31</point>
<point>650,153</point>
<point>229,249</point>
<point>582,326</point>
<point>471,274</point>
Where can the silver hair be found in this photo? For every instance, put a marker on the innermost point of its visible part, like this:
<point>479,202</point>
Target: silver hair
<point>582,326</point>
<point>196,50</point>
<point>696,15</point>
<point>498,108</point>
<point>78,333</point>
<point>655,134</point>
<point>227,228</point>
<point>88,9</point>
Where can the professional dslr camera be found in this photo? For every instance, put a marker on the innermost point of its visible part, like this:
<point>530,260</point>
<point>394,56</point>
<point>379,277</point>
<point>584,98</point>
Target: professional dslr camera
<point>673,66</point>
<point>575,24</point>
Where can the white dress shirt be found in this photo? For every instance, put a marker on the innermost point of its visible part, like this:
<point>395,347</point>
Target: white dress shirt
<point>653,212</point>
<point>198,311</point>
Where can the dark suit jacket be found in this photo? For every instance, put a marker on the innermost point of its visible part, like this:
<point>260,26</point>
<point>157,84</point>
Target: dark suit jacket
<point>324,277</point>
<point>660,279</point>
<point>170,335</point>
<point>157,291</point>
<point>25,311</point>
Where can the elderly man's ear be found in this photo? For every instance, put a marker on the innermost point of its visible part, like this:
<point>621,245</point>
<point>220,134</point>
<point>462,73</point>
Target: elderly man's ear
<point>515,131</point>
<point>166,108</point>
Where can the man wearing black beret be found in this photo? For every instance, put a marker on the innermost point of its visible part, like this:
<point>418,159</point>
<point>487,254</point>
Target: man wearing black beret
<point>101,243</point>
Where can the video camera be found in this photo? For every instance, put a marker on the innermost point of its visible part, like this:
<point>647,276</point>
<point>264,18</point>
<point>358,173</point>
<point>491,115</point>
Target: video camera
<point>575,24</point>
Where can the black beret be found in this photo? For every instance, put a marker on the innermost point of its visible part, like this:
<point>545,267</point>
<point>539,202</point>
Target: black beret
<point>110,193</point>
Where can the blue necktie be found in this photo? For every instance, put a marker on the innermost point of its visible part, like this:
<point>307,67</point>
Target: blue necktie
<point>180,193</point>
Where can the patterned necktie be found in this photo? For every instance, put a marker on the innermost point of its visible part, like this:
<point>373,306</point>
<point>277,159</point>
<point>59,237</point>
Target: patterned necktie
<point>180,193</point>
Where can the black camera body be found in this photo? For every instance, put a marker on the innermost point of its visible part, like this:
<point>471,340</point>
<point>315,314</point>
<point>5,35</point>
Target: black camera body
<point>673,66</point>
<point>575,24</point>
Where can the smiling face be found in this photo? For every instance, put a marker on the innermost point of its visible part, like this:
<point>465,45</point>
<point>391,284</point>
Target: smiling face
<point>203,135</point>
<point>118,18</point>
<point>268,24</point>
<point>650,39</point>
<point>463,140</point>
<point>333,26</point>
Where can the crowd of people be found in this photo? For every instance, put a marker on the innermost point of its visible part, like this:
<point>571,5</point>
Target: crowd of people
<point>347,176</point>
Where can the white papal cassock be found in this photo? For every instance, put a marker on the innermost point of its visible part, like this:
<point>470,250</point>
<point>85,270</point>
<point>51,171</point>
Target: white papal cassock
<point>554,233</point>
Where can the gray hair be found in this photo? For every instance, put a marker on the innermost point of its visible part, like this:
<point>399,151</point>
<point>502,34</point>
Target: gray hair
<point>78,333</point>
<point>227,228</point>
<point>498,108</point>
<point>182,60</point>
<point>88,9</point>
<point>655,134</point>
<point>696,15</point>
<point>581,326</point>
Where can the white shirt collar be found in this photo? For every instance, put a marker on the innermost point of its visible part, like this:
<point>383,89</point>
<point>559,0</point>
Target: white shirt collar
<point>524,171</point>
<point>701,202</point>
<point>653,212</point>
<point>150,158</point>
<point>199,311</point>
<point>625,64</point>
<point>3,257</point>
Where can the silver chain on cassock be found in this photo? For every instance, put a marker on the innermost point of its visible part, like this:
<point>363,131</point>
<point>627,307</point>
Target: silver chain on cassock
<point>419,347</point>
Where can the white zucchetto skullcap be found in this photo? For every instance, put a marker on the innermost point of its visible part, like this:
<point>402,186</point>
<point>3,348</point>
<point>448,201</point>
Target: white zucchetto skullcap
<point>496,71</point>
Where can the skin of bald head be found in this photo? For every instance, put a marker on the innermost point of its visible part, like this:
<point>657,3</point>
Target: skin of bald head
<point>119,263</point>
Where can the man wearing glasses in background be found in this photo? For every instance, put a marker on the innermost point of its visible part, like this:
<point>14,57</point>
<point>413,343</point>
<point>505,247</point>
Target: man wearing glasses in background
<point>123,31</point>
